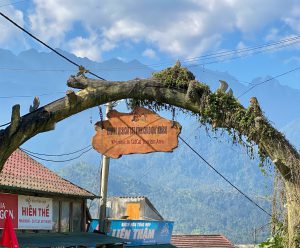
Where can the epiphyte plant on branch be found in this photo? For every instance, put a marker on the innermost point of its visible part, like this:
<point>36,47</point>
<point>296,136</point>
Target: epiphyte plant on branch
<point>174,86</point>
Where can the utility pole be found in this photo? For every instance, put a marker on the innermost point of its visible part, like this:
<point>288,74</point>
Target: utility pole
<point>103,183</point>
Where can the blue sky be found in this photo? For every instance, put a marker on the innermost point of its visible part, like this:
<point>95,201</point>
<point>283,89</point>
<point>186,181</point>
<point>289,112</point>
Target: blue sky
<point>156,31</point>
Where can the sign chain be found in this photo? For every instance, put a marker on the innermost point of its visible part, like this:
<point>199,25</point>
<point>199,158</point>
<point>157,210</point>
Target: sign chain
<point>101,116</point>
<point>173,117</point>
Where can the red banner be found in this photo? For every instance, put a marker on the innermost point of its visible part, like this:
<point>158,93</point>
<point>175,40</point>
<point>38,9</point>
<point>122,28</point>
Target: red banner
<point>9,204</point>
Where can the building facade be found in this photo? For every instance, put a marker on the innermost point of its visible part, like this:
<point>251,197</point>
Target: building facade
<point>38,199</point>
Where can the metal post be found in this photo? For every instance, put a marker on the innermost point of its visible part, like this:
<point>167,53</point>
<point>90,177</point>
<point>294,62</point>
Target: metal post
<point>103,184</point>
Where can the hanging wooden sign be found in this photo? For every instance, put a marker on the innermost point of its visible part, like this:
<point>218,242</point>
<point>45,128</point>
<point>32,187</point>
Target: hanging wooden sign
<point>141,131</point>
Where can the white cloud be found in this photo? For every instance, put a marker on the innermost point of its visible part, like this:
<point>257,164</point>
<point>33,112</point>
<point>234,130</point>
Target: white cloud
<point>253,15</point>
<point>150,53</point>
<point>83,47</point>
<point>50,20</point>
<point>180,28</point>
<point>11,36</point>
<point>90,47</point>
<point>293,20</point>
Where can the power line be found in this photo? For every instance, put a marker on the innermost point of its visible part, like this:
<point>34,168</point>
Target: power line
<point>3,125</point>
<point>194,65</point>
<point>238,56</point>
<point>70,61</point>
<point>29,96</point>
<point>56,161</point>
<point>203,57</point>
<point>56,155</point>
<point>35,70</point>
<point>264,47</point>
<point>227,180</point>
<point>260,49</point>
<point>265,81</point>
<point>216,74</point>
<point>49,47</point>
<point>46,45</point>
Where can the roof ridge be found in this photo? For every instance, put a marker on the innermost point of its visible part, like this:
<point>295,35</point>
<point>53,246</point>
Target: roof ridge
<point>210,240</point>
<point>128,196</point>
<point>198,235</point>
<point>52,172</point>
<point>17,174</point>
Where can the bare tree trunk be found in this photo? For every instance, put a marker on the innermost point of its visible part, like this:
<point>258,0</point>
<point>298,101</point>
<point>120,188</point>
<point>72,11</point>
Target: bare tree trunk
<point>293,211</point>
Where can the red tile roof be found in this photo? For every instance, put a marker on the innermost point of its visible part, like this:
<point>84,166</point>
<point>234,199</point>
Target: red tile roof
<point>201,241</point>
<point>21,173</point>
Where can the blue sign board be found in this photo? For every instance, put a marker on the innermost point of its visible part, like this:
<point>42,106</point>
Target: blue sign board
<point>139,232</point>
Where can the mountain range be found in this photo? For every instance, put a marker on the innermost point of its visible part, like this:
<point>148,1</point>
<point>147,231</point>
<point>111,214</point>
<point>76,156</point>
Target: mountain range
<point>179,184</point>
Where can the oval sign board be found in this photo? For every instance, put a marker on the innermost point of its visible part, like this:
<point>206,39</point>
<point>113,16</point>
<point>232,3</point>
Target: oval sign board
<point>141,131</point>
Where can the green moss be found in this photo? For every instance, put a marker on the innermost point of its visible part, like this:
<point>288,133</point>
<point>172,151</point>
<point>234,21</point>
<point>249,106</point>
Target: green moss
<point>217,110</point>
<point>175,77</point>
<point>153,105</point>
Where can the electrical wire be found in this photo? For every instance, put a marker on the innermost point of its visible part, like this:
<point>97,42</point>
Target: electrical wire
<point>62,56</point>
<point>57,100</point>
<point>46,45</point>
<point>222,54</point>
<point>227,180</point>
<point>236,57</point>
<point>56,161</point>
<point>266,47</point>
<point>268,80</point>
<point>195,58</point>
<point>194,65</point>
<point>28,96</point>
<point>9,97</point>
<point>35,70</point>
<point>3,125</point>
<point>252,87</point>
<point>262,48</point>
<point>56,155</point>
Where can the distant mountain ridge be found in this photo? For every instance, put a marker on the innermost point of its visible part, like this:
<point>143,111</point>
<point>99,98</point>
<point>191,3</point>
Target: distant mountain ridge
<point>275,99</point>
<point>179,184</point>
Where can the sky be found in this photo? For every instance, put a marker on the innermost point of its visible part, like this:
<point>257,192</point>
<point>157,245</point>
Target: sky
<point>157,32</point>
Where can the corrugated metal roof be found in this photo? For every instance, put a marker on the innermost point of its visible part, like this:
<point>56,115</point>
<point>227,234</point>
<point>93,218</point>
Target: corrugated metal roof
<point>21,173</point>
<point>129,197</point>
<point>66,239</point>
<point>151,246</point>
<point>201,241</point>
<point>139,198</point>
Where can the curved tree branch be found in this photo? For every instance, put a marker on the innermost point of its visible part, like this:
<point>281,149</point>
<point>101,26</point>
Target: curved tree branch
<point>218,109</point>
<point>96,92</point>
<point>93,93</point>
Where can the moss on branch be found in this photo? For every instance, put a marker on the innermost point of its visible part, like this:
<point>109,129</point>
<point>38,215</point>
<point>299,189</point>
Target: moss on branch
<point>218,110</point>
